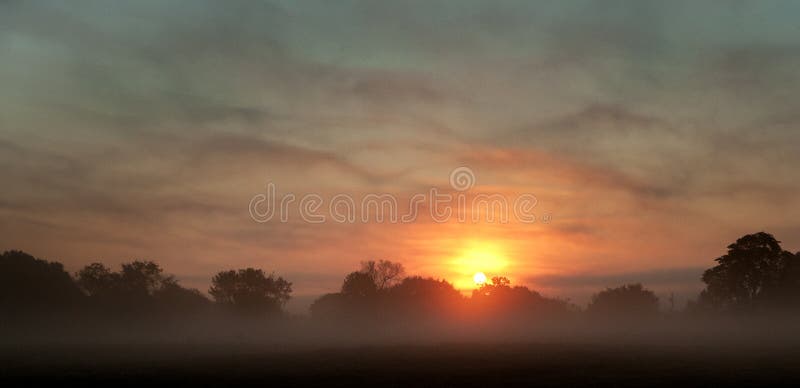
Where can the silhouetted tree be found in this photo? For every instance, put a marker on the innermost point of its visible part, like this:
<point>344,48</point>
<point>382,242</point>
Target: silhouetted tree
<point>420,297</point>
<point>412,298</point>
<point>30,284</point>
<point>96,279</point>
<point>629,300</point>
<point>359,284</point>
<point>500,282</point>
<point>500,300</point>
<point>358,299</point>
<point>135,279</point>
<point>171,297</point>
<point>756,270</point>
<point>143,277</point>
<point>139,286</point>
<point>427,288</point>
<point>250,291</point>
<point>384,273</point>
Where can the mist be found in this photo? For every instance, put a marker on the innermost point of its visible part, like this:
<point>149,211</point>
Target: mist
<point>138,324</point>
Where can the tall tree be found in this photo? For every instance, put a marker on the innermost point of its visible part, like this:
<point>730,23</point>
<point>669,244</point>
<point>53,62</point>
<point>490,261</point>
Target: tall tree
<point>384,273</point>
<point>144,277</point>
<point>359,284</point>
<point>137,278</point>
<point>756,269</point>
<point>139,286</point>
<point>420,297</point>
<point>28,283</point>
<point>97,279</point>
<point>250,291</point>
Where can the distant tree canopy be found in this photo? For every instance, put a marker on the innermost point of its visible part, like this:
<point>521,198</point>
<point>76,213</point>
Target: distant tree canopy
<point>500,298</point>
<point>627,300</point>
<point>250,291</point>
<point>755,273</point>
<point>372,278</point>
<point>136,279</point>
<point>378,289</point>
<point>361,293</point>
<point>415,297</point>
<point>138,285</point>
<point>96,279</point>
<point>428,289</point>
<point>28,283</point>
<point>384,273</point>
<point>138,289</point>
<point>359,284</point>
<point>174,297</point>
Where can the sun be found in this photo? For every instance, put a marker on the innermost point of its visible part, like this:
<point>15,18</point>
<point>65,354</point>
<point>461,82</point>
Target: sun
<point>476,260</point>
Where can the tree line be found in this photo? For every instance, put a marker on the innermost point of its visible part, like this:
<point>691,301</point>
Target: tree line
<point>755,275</point>
<point>31,285</point>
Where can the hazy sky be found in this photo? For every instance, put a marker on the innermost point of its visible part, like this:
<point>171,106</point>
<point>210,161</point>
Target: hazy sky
<point>654,133</point>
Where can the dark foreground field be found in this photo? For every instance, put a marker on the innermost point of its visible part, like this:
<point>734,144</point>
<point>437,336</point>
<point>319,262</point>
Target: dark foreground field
<point>534,364</point>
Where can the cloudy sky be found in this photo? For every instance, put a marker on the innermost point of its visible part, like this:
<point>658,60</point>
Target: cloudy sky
<point>653,133</point>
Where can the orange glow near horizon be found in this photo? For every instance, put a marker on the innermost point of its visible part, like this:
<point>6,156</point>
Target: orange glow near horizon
<point>478,257</point>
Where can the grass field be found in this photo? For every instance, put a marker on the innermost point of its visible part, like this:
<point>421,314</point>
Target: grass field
<point>534,364</point>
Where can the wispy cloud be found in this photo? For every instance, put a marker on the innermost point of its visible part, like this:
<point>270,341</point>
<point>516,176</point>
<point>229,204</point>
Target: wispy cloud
<point>653,132</point>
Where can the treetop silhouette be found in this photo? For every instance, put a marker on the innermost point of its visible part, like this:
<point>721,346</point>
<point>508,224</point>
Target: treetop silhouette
<point>627,300</point>
<point>755,273</point>
<point>250,291</point>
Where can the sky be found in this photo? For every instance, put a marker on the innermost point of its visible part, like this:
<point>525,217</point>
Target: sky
<point>652,134</point>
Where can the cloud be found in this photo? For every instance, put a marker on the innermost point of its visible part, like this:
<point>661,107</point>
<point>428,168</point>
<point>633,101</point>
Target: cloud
<point>541,166</point>
<point>141,127</point>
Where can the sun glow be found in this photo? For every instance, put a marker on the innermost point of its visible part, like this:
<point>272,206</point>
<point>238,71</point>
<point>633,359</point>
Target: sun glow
<point>477,262</point>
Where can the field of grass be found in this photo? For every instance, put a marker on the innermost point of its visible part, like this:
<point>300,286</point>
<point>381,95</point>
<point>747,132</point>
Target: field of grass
<point>533,364</point>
